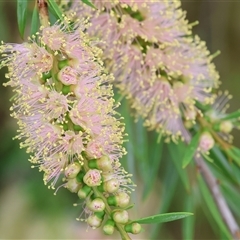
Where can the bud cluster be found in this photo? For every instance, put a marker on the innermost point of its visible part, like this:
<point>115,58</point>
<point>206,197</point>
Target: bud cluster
<point>105,188</point>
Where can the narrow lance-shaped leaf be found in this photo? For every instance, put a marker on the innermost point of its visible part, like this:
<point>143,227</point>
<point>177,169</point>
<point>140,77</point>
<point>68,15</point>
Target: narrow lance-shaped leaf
<point>232,115</point>
<point>89,3</point>
<point>234,153</point>
<point>22,15</point>
<point>161,218</point>
<point>188,223</point>
<point>176,153</point>
<point>55,9</point>
<point>213,210</point>
<point>35,21</point>
<point>191,149</point>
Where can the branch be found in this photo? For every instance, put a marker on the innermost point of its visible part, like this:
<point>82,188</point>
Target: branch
<point>223,208</point>
<point>43,12</point>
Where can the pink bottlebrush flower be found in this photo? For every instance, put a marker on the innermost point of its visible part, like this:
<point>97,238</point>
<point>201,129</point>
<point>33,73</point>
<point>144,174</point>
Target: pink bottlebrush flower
<point>62,103</point>
<point>146,44</point>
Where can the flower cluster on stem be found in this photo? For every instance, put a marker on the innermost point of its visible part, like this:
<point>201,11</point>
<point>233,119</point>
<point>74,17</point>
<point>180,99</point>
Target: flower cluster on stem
<point>65,112</point>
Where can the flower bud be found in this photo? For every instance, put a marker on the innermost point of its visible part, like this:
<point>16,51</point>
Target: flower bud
<point>120,216</point>
<point>73,185</point>
<point>108,228</point>
<point>104,164</point>
<point>93,178</point>
<point>111,186</point>
<point>72,170</point>
<point>121,200</point>
<point>206,142</point>
<point>94,221</point>
<point>68,75</point>
<point>84,192</point>
<point>63,63</point>
<point>96,205</point>
<point>66,89</point>
<point>226,126</point>
<point>134,228</point>
<point>80,176</point>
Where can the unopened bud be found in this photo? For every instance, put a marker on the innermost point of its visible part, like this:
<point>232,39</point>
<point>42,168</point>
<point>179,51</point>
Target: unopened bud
<point>120,216</point>
<point>111,186</point>
<point>108,228</point>
<point>68,75</point>
<point>72,170</point>
<point>96,205</point>
<point>226,126</point>
<point>63,63</point>
<point>121,200</point>
<point>84,192</point>
<point>104,164</point>
<point>73,185</point>
<point>93,221</point>
<point>134,228</point>
<point>206,142</point>
<point>93,178</point>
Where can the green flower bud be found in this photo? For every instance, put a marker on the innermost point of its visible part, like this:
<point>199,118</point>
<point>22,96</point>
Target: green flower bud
<point>80,176</point>
<point>84,192</point>
<point>63,63</point>
<point>108,228</point>
<point>111,186</point>
<point>93,178</point>
<point>134,228</point>
<point>66,89</point>
<point>121,200</point>
<point>120,216</point>
<point>73,185</point>
<point>46,75</point>
<point>72,170</point>
<point>104,164</point>
<point>96,205</point>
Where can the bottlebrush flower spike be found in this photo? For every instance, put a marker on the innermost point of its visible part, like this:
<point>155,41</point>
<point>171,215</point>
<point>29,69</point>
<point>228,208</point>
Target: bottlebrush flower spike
<point>65,112</point>
<point>156,61</point>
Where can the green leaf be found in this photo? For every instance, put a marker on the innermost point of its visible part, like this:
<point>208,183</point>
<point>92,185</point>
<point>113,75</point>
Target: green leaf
<point>188,223</point>
<point>234,153</point>
<point>153,163</point>
<point>176,152</point>
<point>191,149</point>
<point>35,21</point>
<point>213,210</point>
<point>232,115</point>
<point>232,195</point>
<point>161,218</point>
<point>223,166</point>
<point>54,8</point>
<point>89,3</point>
<point>170,184</point>
<point>22,15</point>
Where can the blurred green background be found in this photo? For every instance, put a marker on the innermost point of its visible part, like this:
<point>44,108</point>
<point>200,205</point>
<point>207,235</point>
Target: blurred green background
<point>29,210</point>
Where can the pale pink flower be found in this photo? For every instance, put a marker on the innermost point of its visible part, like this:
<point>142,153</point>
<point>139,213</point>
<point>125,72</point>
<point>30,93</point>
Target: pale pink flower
<point>147,44</point>
<point>63,109</point>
